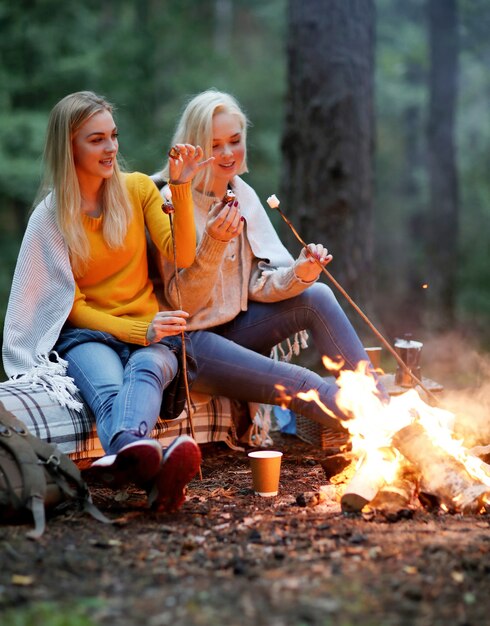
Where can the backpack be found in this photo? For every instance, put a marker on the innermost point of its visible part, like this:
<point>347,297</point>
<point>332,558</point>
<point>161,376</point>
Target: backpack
<point>35,476</point>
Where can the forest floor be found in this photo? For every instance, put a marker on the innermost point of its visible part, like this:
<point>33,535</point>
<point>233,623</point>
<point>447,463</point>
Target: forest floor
<point>229,557</point>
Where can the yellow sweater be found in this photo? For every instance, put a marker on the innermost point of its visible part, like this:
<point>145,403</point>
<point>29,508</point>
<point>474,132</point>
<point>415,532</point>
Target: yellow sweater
<point>115,294</point>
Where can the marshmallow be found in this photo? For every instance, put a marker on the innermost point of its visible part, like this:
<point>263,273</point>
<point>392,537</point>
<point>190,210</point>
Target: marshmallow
<point>229,196</point>
<point>273,201</point>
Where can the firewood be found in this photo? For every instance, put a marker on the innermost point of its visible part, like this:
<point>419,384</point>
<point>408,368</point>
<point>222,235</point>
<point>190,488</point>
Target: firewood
<point>369,478</point>
<point>482,452</point>
<point>441,474</point>
<point>395,500</point>
<point>335,464</point>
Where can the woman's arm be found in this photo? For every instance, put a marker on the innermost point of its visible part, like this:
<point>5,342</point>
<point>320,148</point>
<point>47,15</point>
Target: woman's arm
<point>273,284</point>
<point>270,284</point>
<point>158,223</point>
<point>184,163</point>
<point>196,283</point>
<point>164,323</point>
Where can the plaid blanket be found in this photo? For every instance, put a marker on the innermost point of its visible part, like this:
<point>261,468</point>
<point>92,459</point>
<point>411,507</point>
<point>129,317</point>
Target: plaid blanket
<point>74,431</point>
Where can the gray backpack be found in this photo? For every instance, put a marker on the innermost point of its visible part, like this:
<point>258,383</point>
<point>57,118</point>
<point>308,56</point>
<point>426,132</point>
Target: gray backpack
<point>35,476</point>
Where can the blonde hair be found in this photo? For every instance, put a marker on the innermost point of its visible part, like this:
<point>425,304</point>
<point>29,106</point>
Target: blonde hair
<point>60,177</point>
<point>196,127</point>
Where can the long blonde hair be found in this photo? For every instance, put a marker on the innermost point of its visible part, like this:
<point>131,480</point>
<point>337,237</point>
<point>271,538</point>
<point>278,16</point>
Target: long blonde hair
<point>60,177</point>
<point>196,127</point>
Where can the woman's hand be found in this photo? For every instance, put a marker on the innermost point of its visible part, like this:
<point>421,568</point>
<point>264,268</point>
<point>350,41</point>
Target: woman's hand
<point>306,267</point>
<point>186,163</point>
<point>225,221</point>
<point>166,324</point>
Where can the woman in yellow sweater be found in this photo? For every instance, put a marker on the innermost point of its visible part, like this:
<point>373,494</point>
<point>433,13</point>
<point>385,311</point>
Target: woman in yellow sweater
<point>82,287</point>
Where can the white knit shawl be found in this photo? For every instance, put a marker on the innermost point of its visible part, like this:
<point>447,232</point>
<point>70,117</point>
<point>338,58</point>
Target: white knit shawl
<point>41,298</point>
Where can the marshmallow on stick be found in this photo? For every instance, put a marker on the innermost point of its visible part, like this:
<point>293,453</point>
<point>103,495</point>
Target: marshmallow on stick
<point>174,153</point>
<point>229,196</point>
<point>273,201</point>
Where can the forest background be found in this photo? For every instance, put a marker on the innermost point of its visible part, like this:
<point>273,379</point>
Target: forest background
<point>150,56</point>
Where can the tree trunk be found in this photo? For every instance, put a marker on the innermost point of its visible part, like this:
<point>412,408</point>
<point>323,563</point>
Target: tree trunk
<point>327,146</point>
<point>443,236</point>
<point>222,27</point>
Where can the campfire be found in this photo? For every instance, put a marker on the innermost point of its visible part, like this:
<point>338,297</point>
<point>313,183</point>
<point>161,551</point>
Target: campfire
<point>404,454</point>
<point>404,451</point>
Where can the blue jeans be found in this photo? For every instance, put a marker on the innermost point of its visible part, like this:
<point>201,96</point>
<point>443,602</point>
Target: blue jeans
<point>233,359</point>
<point>122,384</point>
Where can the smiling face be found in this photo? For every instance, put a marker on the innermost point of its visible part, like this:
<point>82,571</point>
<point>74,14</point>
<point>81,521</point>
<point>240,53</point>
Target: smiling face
<point>228,148</point>
<point>95,148</point>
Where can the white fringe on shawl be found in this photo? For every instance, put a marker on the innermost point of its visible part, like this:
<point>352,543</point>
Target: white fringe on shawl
<point>40,300</point>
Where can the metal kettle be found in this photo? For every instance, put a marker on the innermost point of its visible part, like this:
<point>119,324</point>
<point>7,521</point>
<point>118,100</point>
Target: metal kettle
<point>410,352</point>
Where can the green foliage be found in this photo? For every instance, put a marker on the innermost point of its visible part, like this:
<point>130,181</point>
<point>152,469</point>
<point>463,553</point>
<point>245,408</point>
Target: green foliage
<point>402,202</point>
<point>50,614</point>
<point>150,57</point>
<point>21,143</point>
<point>146,57</point>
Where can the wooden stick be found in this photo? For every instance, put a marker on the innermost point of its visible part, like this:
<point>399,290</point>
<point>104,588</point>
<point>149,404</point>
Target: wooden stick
<point>387,345</point>
<point>182,333</point>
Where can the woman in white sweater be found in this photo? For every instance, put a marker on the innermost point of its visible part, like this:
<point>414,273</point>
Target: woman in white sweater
<point>244,286</point>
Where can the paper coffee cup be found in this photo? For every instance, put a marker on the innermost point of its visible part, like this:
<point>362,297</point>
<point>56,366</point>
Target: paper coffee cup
<point>374,354</point>
<point>266,469</point>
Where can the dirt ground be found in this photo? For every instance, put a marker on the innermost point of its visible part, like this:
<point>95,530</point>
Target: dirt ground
<point>229,557</point>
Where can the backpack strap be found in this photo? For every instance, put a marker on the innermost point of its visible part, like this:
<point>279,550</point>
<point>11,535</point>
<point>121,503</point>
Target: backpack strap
<point>13,436</point>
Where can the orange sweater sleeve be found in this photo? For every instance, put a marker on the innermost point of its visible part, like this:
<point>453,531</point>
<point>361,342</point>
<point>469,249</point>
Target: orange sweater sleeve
<point>183,221</point>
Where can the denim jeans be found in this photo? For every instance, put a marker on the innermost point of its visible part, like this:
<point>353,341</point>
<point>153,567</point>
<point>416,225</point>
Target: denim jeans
<point>233,359</point>
<point>121,383</point>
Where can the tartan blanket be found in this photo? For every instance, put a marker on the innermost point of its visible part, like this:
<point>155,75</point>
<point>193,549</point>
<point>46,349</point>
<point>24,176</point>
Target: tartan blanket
<point>74,431</point>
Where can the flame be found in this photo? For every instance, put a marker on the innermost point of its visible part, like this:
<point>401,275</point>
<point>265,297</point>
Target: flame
<point>425,286</point>
<point>333,366</point>
<point>312,396</point>
<point>374,423</point>
<point>283,397</point>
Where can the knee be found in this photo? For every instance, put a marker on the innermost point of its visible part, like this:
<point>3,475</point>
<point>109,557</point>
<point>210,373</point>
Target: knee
<point>319,296</point>
<point>160,365</point>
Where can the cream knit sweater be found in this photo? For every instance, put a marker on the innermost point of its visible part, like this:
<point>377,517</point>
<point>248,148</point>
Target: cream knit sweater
<point>226,275</point>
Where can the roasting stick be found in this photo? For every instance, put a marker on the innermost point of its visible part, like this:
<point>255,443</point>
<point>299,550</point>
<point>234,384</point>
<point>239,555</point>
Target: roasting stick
<point>168,208</point>
<point>273,202</point>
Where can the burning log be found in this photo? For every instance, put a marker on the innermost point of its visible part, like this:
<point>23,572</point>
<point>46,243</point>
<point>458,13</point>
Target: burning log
<point>371,475</point>
<point>441,475</point>
<point>482,452</point>
<point>395,500</point>
<point>335,464</point>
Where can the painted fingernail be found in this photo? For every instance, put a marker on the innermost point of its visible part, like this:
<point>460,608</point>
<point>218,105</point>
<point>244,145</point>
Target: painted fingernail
<point>236,203</point>
<point>242,219</point>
